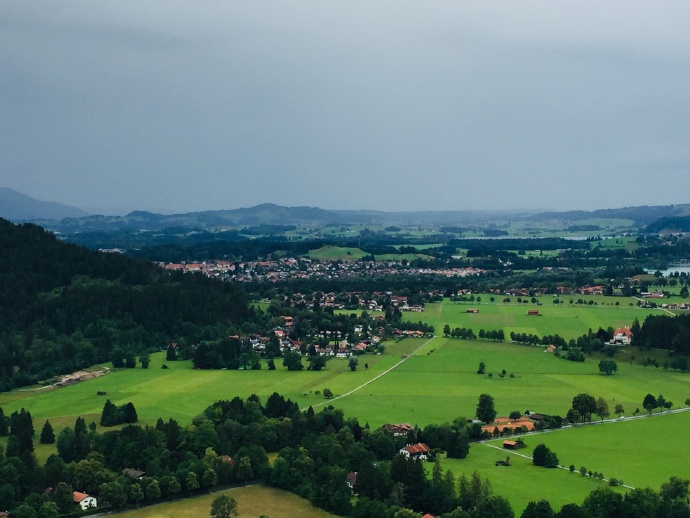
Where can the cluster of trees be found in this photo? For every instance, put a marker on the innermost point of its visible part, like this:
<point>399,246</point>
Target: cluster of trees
<point>467,334</point>
<point>459,332</point>
<point>227,443</point>
<point>584,406</point>
<point>113,415</point>
<point>604,502</point>
<point>543,456</point>
<point>531,339</point>
<point>664,332</point>
<point>650,403</point>
<point>72,307</point>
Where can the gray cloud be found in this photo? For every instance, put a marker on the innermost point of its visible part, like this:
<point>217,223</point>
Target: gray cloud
<point>175,106</point>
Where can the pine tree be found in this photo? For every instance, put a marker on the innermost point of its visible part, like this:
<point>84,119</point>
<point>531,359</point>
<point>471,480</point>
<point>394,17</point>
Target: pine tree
<point>109,414</point>
<point>171,355</point>
<point>47,434</point>
<point>129,413</point>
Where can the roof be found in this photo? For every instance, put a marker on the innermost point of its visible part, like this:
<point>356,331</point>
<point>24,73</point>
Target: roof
<point>133,473</point>
<point>623,331</point>
<point>509,443</point>
<point>227,459</point>
<point>416,449</point>
<point>352,478</point>
<point>78,497</point>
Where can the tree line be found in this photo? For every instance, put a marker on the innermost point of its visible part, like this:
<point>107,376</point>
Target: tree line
<point>228,444</point>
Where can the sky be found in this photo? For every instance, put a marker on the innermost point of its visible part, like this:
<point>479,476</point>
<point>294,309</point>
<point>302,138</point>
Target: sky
<point>176,106</point>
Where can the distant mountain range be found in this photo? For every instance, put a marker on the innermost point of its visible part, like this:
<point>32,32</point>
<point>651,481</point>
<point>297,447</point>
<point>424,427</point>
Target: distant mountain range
<point>61,218</point>
<point>18,207</point>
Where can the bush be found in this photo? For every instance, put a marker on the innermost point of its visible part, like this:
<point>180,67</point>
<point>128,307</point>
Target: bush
<point>327,393</point>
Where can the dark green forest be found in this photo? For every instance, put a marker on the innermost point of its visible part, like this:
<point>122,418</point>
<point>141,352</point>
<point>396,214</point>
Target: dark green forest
<point>64,307</point>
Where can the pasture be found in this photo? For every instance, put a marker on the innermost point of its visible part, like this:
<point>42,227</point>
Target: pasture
<point>566,320</point>
<point>441,385</point>
<point>436,384</point>
<point>643,452</point>
<point>252,501</point>
<point>522,481</point>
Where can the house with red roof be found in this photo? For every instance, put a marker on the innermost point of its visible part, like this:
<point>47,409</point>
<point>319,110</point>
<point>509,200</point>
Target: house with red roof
<point>416,451</point>
<point>622,336</point>
<point>85,501</point>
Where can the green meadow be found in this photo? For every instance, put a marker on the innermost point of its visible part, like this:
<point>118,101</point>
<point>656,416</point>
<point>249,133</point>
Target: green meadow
<point>252,501</point>
<point>441,383</point>
<point>437,382</point>
<point>643,452</point>
<point>522,481</point>
<point>350,254</point>
<point>565,319</point>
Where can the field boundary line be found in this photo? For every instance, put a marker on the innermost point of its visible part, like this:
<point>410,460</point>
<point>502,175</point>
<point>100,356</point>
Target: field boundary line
<point>569,427</point>
<point>512,452</point>
<point>375,377</point>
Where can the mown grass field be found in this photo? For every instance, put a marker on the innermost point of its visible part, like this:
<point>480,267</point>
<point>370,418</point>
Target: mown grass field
<point>350,254</point>
<point>566,320</point>
<point>522,481</point>
<point>252,501</point>
<point>643,452</point>
<point>443,384</point>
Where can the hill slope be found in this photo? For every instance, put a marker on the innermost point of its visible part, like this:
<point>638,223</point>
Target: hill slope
<point>16,206</point>
<point>68,307</point>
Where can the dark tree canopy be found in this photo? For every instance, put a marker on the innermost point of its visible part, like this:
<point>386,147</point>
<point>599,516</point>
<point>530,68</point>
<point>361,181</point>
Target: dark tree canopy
<point>485,409</point>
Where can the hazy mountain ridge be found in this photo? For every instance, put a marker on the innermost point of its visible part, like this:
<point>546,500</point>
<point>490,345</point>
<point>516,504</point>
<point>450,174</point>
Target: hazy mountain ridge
<point>18,207</point>
<point>643,215</point>
<point>61,218</point>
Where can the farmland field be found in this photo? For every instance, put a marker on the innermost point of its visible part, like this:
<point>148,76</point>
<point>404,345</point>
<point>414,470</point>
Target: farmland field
<point>643,452</point>
<point>568,321</point>
<point>251,501</point>
<point>522,481</point>
<point>437,383</point>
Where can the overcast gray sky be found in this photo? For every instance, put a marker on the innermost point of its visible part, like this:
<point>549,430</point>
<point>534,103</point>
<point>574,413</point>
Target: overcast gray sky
<point>176,106</point>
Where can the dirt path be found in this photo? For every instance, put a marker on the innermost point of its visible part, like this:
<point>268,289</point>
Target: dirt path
<point>329,401</point>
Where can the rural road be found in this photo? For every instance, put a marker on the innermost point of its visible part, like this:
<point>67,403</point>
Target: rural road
<point>329,401</point>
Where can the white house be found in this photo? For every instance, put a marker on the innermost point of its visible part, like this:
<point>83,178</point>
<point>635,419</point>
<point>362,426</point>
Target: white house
<point>85,501</point>
<point>416,451</point>
<point>622,336</point>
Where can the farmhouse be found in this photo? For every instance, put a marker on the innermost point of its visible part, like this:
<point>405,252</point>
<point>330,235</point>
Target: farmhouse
<point>473,310</point>
<point>134,474</point>
<point>416,451</point>
<point>398,430</point>
<point>351,479</point>
<point>622,336</point>
<point>85,501</point>
<point>511,445</point>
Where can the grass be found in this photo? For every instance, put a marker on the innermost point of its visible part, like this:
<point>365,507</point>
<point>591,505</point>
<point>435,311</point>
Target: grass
<point>335,253</point>
<point>641,452</point>
<point>566,320</point>
<point>523,482</point>
<point>252,501</point>
<point>440,386</point>
<point>437,384</point>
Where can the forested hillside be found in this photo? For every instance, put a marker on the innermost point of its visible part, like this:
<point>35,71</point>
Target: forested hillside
<point>64,307</point>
